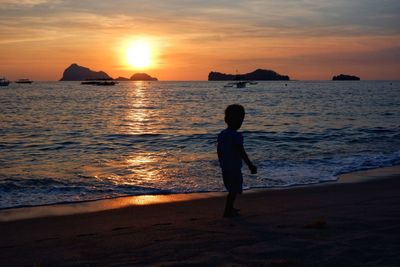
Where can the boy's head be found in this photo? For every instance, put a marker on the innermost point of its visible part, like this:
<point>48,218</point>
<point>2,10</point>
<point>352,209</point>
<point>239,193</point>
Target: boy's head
<point>234,116</point>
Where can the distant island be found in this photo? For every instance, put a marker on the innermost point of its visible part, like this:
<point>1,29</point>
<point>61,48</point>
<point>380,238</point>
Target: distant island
<point>79,73</point>
<point>257,75</point>
<point>138,77</point>
<point>344,77</point>
<point>122,79</point>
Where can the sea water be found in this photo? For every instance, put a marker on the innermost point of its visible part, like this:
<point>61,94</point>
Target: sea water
<point>66,142</point>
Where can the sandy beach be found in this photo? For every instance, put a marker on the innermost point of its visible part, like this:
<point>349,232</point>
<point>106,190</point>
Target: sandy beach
<point>337,224</point>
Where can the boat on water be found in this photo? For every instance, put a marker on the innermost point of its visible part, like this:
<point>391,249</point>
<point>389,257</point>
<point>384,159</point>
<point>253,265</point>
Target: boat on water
<point>90,82</point>
<point>24,81</point>
<point>100,82</point>
<point>241,84</point>
<point>106,83</point>
<point>4,82</point>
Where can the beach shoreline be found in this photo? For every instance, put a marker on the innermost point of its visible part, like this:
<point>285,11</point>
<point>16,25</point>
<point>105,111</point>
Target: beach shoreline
<point>90,206</point>
<point>342,224</point>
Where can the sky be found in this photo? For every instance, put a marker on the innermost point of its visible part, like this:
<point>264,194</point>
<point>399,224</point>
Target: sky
<point>305,39</point>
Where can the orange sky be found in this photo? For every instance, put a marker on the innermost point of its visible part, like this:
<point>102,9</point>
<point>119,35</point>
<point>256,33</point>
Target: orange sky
<point>304,39</point>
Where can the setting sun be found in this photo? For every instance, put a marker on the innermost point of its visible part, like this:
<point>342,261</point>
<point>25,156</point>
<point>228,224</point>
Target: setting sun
<point>139,55</point>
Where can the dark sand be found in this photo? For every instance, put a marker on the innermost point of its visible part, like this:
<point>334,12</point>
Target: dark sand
<point>338,224</point>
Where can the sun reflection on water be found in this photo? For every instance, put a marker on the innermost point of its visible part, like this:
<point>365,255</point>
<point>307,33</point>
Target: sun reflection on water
<point>142,167</point>
<point>138,113</point>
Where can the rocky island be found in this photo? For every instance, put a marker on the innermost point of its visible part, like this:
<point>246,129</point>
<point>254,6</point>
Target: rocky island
<point>257,75</point>
<point>137,77</point>
<point>122,79</point>
<point>142,77</point>
<point>344,77</point>
<point>79,73</point>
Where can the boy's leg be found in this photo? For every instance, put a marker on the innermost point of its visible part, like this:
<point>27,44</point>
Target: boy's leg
<point>230,199</point>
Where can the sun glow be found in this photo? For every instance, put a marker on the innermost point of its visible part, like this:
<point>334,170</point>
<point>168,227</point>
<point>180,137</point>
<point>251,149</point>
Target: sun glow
<point>139,54</point>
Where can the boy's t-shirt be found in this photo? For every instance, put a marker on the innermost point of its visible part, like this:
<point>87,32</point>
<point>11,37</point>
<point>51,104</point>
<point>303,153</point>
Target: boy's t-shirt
<point>229,155</point>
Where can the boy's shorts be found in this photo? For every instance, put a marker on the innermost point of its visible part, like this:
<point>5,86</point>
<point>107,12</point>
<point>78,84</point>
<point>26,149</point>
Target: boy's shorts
<point>233,180</point>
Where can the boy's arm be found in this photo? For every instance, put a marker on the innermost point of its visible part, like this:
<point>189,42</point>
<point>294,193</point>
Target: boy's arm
<point>246,159</point>
<point>219,151</point>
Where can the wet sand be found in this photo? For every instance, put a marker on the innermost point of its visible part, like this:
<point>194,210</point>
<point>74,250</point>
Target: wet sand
<point>337,224</point>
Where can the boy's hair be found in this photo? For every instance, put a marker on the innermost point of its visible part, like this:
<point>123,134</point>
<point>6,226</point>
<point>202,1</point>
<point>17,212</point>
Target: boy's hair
<point>233,113</point>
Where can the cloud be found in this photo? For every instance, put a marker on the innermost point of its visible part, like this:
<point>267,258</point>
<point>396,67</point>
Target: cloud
<point>5,4</point>
<point>275,17</point>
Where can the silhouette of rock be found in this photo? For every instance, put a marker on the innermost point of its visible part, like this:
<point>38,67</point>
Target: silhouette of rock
<point>257,75</point>
<point>344,77</point>
<point>79,73</point>
<point>122,79</point>
<point>142,77</point>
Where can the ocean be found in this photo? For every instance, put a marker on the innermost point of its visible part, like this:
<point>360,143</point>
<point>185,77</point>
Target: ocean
<point>66,142</point>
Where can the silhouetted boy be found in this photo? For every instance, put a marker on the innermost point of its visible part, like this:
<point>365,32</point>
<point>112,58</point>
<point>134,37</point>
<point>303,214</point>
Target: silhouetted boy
<point>230,154</point>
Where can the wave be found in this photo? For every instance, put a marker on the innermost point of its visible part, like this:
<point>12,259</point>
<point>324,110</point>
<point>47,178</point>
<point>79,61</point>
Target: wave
<point>43,191</point>
<point>283,173</point>
<point>272,173</point>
